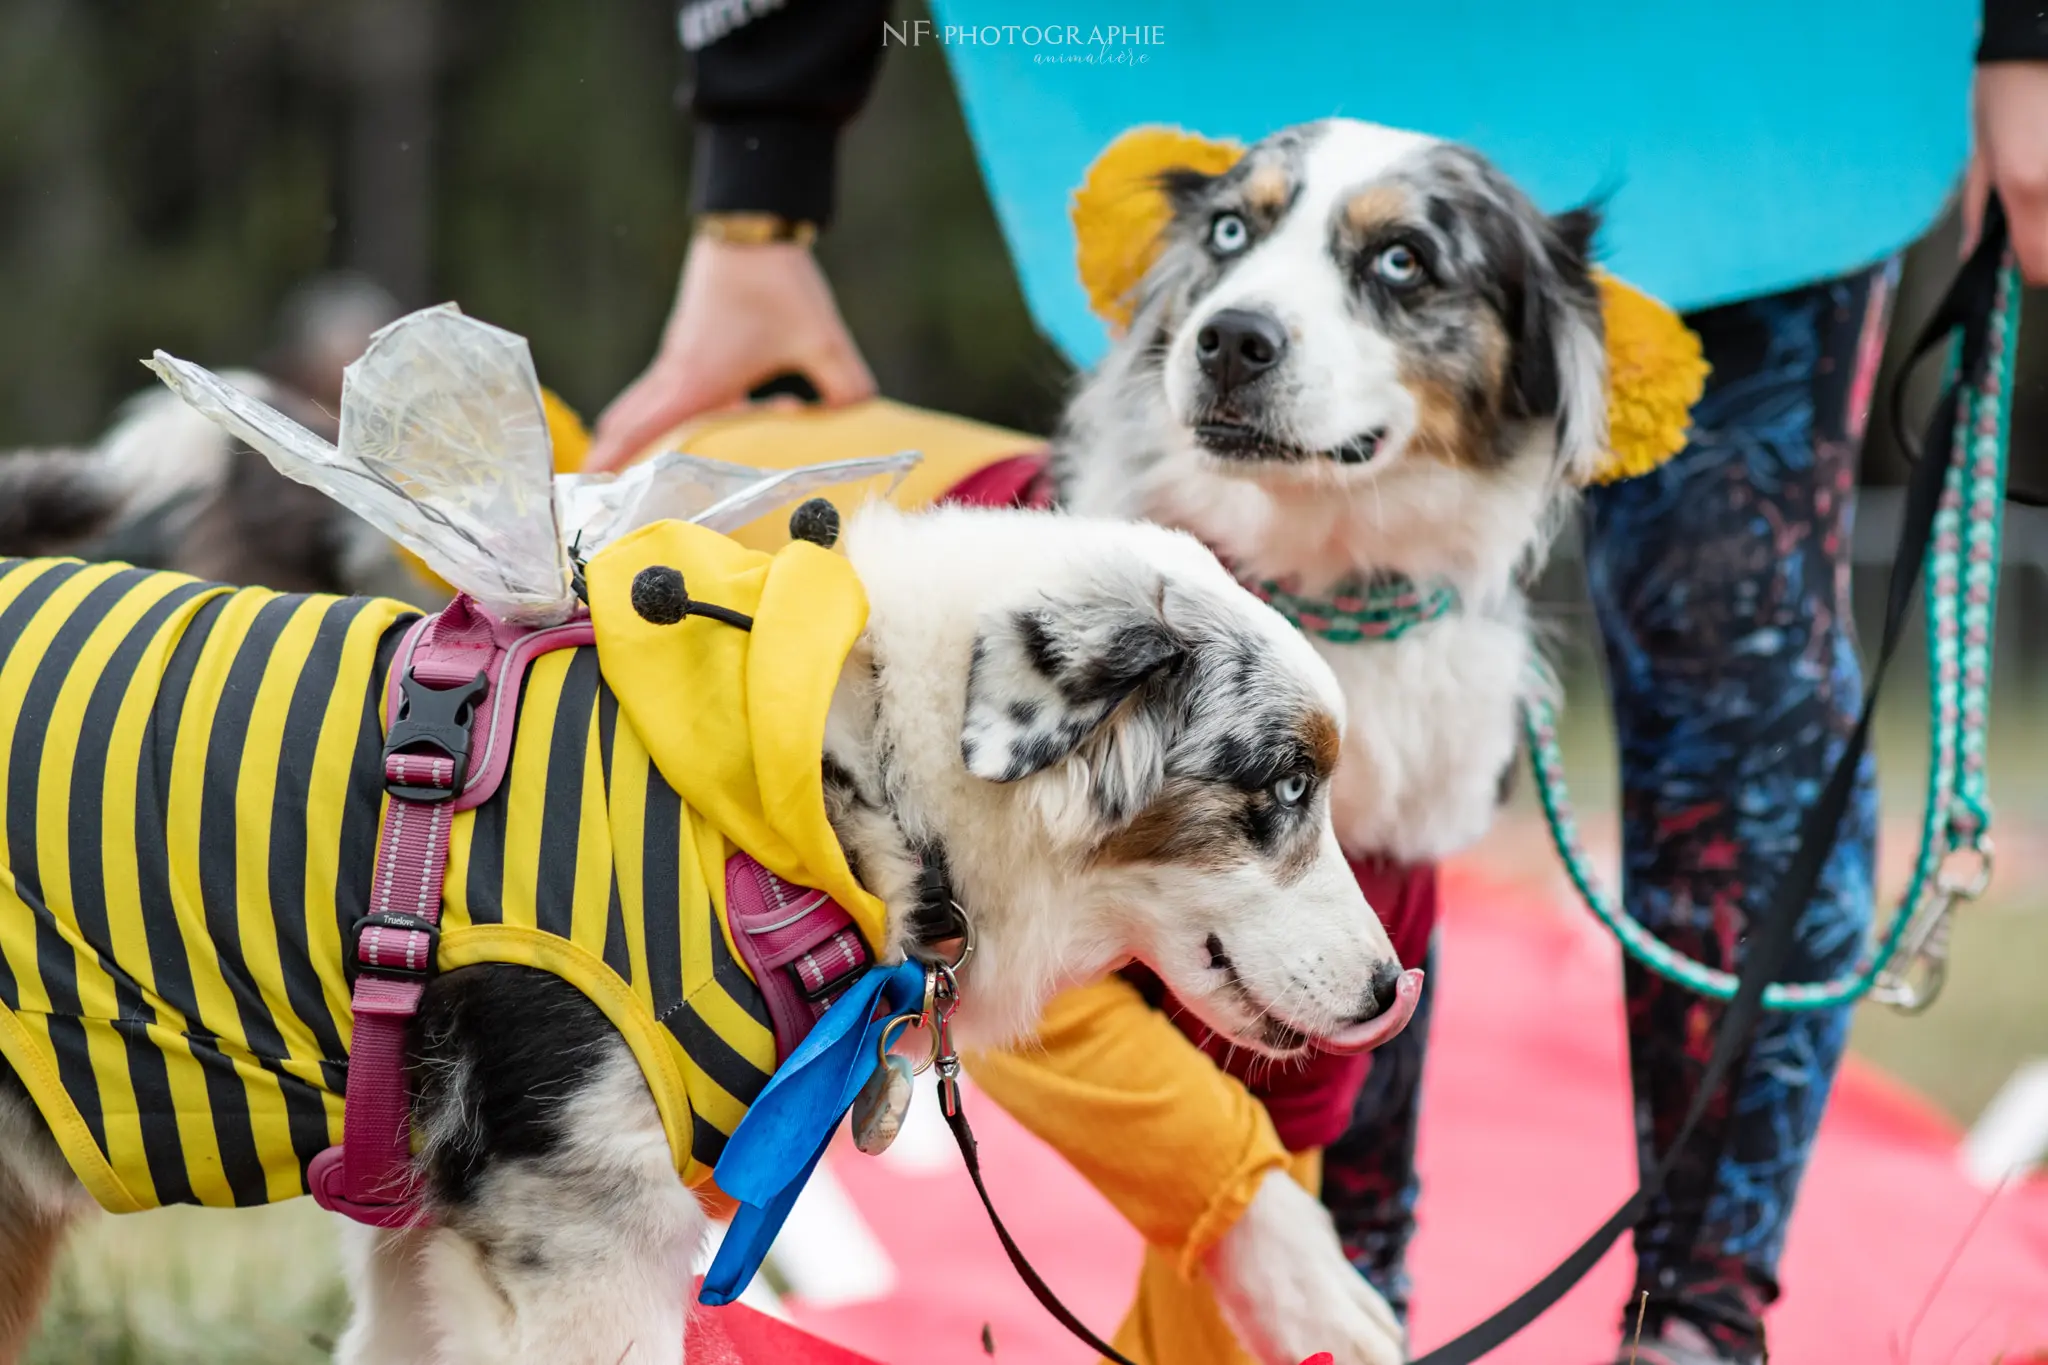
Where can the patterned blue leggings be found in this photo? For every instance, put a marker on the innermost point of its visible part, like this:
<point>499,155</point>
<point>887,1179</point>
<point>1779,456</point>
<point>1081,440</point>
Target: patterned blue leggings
<point>1721,583</point>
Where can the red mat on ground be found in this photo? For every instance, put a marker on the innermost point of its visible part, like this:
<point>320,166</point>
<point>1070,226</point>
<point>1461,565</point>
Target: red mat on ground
<point>1526,1148</point>
<point>738,1335</point>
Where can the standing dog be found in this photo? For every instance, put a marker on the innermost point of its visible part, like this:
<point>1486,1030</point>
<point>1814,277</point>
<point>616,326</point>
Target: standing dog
<point>1367,371</point>
<point>1360,354</point>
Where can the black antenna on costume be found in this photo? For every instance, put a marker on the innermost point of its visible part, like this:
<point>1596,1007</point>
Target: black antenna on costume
<point>661,596</point>
<point>816,521</point>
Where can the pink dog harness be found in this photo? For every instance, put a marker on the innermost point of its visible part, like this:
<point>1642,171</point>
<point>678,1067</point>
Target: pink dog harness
<point>452,698</point>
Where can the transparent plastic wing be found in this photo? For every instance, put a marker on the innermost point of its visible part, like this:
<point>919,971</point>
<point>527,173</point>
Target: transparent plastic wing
<point>444,447</point>
<point>597,509</point>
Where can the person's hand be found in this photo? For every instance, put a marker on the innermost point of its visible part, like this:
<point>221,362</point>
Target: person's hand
<point>2012,157</point>
<point>744,314</point>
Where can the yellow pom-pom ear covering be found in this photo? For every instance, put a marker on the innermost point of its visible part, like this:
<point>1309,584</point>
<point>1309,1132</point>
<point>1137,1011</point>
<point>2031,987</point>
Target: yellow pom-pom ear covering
<point>1655,369</point>
<point>1655,373</point>
<point>1120,211</point>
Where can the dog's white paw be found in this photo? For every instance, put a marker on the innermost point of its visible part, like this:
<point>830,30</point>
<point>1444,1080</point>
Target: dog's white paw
<point>1284,1285</point>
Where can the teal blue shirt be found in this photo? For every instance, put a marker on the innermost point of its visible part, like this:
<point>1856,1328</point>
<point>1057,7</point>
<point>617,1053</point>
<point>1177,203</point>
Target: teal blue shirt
<point>1744,146</point>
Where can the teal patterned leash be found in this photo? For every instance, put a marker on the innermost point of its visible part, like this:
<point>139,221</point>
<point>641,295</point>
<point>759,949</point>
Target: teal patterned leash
<point>1909,964</point>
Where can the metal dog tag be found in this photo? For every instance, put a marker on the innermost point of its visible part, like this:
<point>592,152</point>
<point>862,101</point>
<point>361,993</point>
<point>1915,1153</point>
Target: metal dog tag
<point>880,1107</point>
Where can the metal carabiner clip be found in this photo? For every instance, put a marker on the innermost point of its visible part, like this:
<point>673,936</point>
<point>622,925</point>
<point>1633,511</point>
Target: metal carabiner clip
<point>1914,984</point>
<point>1953,883</point>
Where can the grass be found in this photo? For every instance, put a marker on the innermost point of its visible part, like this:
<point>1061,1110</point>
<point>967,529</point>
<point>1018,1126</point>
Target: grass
<point>197,1287</point>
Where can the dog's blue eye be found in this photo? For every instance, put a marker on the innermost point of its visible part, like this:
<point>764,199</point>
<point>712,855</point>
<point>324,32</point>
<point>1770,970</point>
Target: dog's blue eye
<point>1291,790</point>
<point>1228,234</point>
<point>1398,265</point>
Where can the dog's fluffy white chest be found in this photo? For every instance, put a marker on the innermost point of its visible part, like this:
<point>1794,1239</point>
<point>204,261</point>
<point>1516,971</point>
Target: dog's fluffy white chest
<point>1432,730</point>
<point>1432,718</point>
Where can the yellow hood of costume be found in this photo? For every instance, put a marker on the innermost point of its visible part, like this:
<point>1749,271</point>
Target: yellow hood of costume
<point>735,719</point>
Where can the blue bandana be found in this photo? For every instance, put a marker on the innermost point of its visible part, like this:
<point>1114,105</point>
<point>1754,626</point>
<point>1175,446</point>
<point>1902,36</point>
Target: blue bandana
<point>777,1145</point>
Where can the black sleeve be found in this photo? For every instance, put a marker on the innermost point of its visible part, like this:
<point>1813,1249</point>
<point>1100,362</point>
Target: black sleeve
<point>774,85</point>
<point>2014,31</point>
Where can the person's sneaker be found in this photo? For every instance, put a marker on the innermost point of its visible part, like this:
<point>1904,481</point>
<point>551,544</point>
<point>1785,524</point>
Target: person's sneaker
<point>1681,1343</point>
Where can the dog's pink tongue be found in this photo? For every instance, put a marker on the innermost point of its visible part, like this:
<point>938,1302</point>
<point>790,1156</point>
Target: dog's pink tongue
<point>1378,1029</point>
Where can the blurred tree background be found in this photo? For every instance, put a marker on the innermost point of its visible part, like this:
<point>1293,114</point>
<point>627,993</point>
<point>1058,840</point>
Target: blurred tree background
<point>170,170</point>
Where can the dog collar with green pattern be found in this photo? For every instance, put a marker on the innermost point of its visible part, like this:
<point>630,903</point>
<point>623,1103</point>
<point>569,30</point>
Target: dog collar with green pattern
<point>1381,608</point>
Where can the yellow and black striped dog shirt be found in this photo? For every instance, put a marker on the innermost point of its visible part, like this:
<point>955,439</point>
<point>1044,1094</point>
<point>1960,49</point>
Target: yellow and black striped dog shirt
<point>190,799</point>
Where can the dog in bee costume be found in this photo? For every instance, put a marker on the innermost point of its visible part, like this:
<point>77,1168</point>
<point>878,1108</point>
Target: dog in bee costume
<point>504,930</point>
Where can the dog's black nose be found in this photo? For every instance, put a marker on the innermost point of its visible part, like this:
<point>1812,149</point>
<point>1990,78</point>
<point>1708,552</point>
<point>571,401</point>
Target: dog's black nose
<point>1379,996</point>
<point>1237,346</point>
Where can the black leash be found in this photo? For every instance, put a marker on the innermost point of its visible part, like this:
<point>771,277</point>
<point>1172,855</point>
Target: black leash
<point>956,1119</point>
<point>1966,310</point>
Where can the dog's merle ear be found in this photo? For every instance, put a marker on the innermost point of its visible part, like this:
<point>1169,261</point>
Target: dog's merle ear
<point>1560,350</point>
<point>1046,678</point>
<point>1185,187</point>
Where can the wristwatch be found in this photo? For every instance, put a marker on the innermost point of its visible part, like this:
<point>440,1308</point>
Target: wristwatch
<point>755,229</point>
